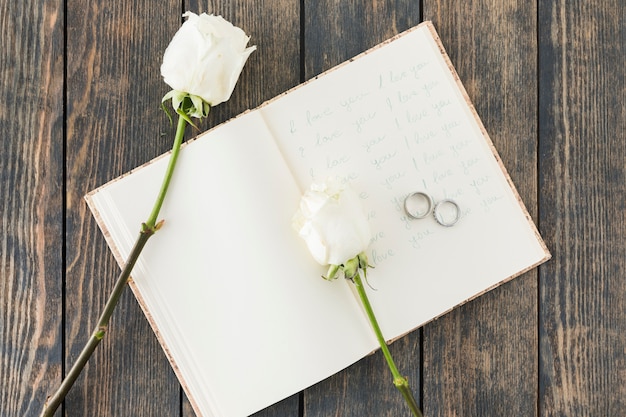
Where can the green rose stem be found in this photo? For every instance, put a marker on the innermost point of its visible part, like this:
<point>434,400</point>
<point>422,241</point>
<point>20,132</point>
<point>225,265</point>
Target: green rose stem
<point>147,229</point>
<point>398,380</point>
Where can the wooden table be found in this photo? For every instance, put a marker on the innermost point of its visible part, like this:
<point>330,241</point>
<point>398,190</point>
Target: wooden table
<point>79,105</point>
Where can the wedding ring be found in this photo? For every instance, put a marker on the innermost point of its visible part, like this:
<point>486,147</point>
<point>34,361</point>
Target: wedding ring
<point>447,212</point>
<point>418,205</point>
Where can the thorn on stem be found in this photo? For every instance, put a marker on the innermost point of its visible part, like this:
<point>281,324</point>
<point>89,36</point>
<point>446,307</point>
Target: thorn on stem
<point>101,332</point>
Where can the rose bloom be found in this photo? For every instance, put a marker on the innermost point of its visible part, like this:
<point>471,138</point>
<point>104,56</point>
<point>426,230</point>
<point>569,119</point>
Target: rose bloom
<point>205,57</point>
<point>333,223</point>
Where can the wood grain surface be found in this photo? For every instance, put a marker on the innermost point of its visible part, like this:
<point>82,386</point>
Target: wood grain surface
<point>31,203</point>
<point>80,92</point>
<point>582,125</point>
<point>113,122</point>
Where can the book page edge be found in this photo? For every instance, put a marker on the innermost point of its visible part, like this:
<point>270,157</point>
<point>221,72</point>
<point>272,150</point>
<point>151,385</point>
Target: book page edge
<point>137,293</point>
<point>487,138</point>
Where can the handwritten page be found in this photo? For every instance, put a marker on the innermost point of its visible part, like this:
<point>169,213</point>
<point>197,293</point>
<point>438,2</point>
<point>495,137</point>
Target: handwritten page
<point>392,122</point>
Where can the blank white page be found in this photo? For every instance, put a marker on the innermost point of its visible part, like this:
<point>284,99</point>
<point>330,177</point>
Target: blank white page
<point>229,287</point>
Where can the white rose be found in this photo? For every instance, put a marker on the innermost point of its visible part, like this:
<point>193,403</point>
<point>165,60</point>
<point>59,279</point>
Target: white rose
<point>332,222</point>
<point>205,58</point>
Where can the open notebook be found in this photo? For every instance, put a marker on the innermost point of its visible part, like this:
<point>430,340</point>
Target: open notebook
<point>228,286</point>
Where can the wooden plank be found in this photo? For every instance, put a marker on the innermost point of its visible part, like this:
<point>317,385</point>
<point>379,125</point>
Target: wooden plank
<point>114,123</point>
<point>481,359</point>
<point>583,146</point>
<point>274,27</point>
<point>337,30</point>
<point>31,218</point>
<point>366,388</point>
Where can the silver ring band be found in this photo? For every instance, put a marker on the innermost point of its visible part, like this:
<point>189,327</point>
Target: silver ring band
<point>451,218</point>
<point>415,198</point>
